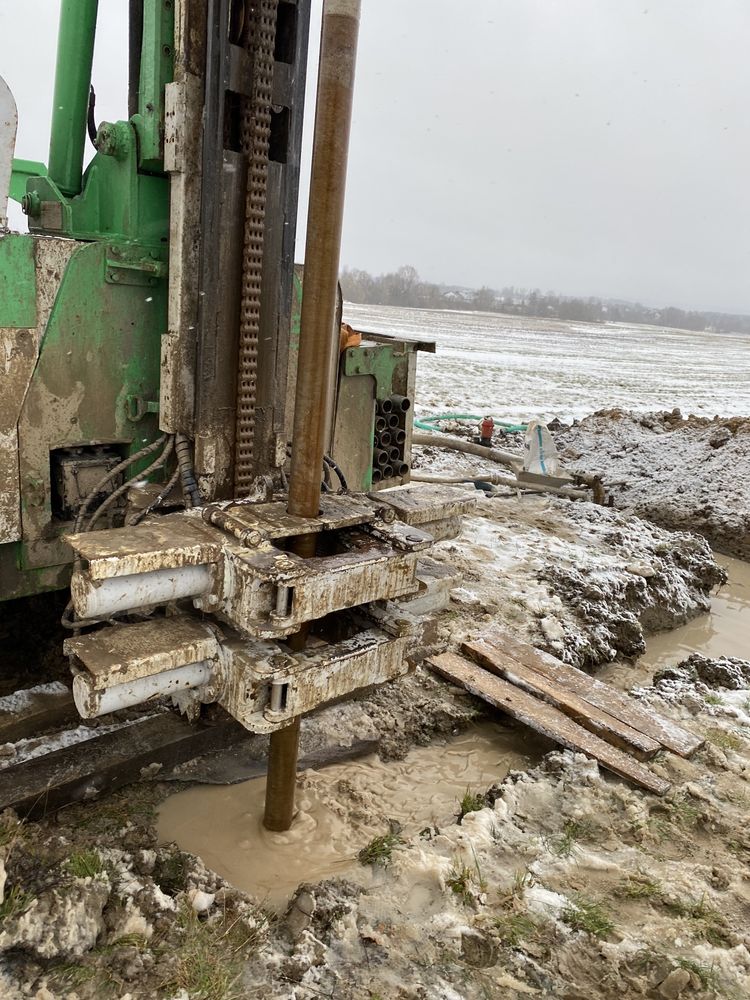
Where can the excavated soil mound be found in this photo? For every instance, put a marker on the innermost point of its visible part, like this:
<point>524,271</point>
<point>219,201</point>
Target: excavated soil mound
<point>685,473</point>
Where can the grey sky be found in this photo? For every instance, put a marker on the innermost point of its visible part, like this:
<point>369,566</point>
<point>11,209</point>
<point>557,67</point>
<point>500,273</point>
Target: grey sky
<point>591,146</point>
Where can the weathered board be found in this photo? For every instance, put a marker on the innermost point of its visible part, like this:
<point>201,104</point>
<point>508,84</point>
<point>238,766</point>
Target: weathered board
<point>28,713</point>
<point>83,771</point>
<point>544,718</point>
<point>607,726</point>
<point>597,693</point>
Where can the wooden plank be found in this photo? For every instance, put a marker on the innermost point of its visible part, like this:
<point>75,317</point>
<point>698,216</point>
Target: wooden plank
<point>610,699</point>
<point>606,726</point>
<point>30,712</point>
<point>544,718</point>
<point>41,785</point>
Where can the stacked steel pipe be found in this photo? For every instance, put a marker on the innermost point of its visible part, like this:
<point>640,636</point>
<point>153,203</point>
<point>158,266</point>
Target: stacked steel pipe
<point>389,448</point>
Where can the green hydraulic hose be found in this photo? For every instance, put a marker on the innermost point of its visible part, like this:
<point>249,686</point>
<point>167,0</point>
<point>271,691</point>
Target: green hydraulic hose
<point>425,423</point>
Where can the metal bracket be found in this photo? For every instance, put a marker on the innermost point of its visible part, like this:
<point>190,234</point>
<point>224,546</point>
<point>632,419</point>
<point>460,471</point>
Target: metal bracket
<point>136,407</point>
<point>130,266</point>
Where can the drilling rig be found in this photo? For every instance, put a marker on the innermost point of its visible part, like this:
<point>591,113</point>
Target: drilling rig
<point>183,444</point>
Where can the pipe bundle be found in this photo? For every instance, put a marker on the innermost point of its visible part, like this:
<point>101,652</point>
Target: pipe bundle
<point>389,447</point>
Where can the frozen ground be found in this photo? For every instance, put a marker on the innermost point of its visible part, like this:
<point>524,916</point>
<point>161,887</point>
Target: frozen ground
<point>516,367</point>
<point>499,905</point>
<point>685,473</point>
<point>561,881</point>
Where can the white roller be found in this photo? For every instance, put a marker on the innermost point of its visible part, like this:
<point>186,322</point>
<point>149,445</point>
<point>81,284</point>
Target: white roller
<point>92,703</point>
<point>100,598</point>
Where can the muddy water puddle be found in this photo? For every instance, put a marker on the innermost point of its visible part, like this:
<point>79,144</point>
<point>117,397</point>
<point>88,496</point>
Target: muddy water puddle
<point>725,631</point>
<point>340,809</point>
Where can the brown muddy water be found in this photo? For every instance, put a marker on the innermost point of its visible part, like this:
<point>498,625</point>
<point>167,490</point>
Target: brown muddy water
<point>723,632</point>
<point>341,808</point>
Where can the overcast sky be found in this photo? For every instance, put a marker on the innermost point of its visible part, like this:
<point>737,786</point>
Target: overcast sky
<point>594,147</point>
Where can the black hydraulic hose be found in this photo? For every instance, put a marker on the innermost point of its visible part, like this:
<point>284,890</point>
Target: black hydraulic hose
<point>185,464</point>
<point>91,120</point>
<point>337,469</point>
<point>163,494</point>
<point>112,474</point>
<point>156,464</point>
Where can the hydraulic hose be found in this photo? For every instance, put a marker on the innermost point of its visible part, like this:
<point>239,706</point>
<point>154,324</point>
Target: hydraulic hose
<point>187,475</point>
<point>156,464</point>
<point>425,423</point>
<point>105,480</point>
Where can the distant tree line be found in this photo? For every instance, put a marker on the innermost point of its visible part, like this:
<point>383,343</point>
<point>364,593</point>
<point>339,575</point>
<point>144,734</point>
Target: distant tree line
<point>404,287</point>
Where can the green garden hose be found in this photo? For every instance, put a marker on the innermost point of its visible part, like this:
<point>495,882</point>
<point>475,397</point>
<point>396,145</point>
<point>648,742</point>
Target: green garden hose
<point>425,423</point>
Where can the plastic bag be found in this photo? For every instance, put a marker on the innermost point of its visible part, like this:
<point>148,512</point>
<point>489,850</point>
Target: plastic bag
<point>539,451</point>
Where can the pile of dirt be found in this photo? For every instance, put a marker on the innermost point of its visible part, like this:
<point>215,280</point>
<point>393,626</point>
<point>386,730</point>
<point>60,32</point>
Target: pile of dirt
<point>584,582</point>
<point>685,473</point>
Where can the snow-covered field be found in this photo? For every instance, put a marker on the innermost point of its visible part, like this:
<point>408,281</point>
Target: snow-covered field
<point>517,367</point>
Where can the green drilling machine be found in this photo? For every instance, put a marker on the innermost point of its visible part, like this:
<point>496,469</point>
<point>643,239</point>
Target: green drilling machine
<point>163,360</point>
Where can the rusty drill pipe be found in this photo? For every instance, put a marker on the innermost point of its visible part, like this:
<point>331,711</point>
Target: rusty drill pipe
<point>314,395</point>
<point>325,220</point>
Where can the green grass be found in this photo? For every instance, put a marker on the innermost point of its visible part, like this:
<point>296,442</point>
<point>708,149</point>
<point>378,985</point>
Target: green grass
<point>679,811</point>
<point>211,958</point>
<point>708,923</point>
<point>171,872</point>
<point>587,915</point>
<point>725,740</point>
<point>461,881</point>
<point>516,927</point>
<point>84,864</point>
<point>378,852</point>
<point>565,844</point>
<point>470,802</point>
<point>707,974</point>
<point>709,978</point>
<point>72,975</point>
<point>14,903</point>
<point>713,699</point>
<point>639,886</point>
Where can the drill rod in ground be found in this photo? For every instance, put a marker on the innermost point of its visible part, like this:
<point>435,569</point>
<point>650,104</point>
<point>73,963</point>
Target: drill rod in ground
<point>318,336</point>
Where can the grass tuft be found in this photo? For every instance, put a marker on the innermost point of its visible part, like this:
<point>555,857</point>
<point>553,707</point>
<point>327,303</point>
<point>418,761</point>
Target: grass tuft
<point>713,699</point>
<point>171,872</point>
<point>378,852</point>
<point>586,915</point>
<point>14,903</point>
<point>470,802</point>
<point>639,886</point>
<point>84,864</point>
<point>565,844</point>
<point>461,881</point>
<point>725,740</point>
<point>708,923</point>
<point>707,974</point>
<point>211,957</point>
<point>516,927</point>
